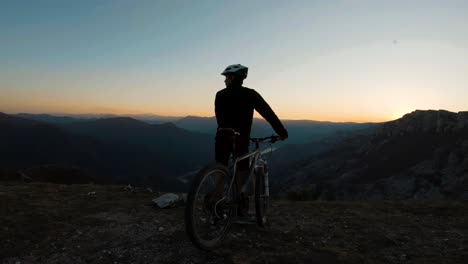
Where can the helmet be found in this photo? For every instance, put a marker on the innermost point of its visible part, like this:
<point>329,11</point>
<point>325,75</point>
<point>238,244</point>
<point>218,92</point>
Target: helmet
<point>236,69</point>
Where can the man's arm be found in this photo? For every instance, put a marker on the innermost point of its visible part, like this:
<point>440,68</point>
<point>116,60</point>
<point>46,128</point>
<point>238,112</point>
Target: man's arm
<point>266,112</point>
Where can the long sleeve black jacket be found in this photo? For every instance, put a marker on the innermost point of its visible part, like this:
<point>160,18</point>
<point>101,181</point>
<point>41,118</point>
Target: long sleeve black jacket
<point>234,108</point>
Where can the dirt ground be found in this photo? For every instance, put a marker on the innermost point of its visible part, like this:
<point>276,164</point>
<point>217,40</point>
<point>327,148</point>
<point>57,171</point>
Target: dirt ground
<point>51,223</point>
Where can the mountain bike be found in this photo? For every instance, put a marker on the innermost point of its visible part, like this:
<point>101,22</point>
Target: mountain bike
<point>214,199</point>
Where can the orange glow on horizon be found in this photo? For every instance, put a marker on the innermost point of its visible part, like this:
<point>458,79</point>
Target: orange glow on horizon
<point>45,105</point>
<point>70,110</point>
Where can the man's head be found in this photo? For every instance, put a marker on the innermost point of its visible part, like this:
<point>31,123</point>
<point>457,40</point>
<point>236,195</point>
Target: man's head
<point>235,75</point>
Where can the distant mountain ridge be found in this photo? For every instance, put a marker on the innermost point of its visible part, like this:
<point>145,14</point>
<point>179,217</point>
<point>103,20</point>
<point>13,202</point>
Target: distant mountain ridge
<point>300,131</point>
<point>4,118</point>
<point>161,138</point>
<point>71,118</point>
<point>50,118</point>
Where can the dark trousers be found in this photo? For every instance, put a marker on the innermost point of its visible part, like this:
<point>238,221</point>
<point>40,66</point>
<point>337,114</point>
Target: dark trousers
<point>224,148</point>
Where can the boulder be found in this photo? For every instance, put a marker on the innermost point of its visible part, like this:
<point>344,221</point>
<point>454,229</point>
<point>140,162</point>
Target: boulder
<point>167,200</point>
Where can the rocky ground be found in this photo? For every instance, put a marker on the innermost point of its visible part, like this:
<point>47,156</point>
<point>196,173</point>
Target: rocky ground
<point>51,223</point>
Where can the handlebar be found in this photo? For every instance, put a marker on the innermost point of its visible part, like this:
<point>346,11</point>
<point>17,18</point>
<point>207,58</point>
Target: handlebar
<point>232,132</point>
<point>272,139</point>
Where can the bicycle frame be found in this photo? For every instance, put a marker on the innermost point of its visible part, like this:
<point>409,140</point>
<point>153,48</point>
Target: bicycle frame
<point>256,155</point>
<point>254,162</point>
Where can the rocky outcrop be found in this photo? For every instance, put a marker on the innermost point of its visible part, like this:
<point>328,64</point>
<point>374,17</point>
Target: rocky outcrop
<point>429,121</point>
<point>423,155</point>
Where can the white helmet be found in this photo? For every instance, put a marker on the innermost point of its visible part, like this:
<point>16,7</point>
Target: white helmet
<point>236,69</point>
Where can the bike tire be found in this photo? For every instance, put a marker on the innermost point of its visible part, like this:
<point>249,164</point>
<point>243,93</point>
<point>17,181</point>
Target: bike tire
<point>261,200</point>
<point>193,232</point>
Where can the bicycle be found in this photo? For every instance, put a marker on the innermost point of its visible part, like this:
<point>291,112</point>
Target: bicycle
<point>208,215</point>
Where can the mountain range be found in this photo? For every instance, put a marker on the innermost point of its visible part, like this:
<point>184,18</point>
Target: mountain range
<point>300,131</point>
<point>116,150</point>
<point>126,150</point>
<point>422,155</point>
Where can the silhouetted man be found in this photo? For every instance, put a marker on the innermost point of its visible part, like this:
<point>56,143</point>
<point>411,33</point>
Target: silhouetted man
<point>234,107</point>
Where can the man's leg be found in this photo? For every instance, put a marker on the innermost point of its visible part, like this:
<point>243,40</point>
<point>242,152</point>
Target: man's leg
<point>242,175</point>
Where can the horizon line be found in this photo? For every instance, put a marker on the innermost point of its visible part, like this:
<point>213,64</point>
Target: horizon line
<point>65,114</point>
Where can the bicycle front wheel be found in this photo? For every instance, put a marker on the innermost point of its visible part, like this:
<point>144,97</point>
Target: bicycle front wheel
<point>261,199</point>
<point>210,207</point>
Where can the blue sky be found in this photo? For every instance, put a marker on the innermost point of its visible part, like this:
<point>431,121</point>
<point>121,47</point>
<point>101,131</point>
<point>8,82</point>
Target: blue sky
<point>327,60</point>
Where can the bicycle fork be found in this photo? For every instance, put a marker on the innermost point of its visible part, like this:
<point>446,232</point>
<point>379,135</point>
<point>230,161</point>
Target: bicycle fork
<point>263,165</point>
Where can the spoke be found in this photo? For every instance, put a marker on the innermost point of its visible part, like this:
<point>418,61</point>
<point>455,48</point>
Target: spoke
<point>208,225</point>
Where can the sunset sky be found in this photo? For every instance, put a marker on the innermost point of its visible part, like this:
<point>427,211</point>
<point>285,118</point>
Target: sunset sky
<point>322,60</point>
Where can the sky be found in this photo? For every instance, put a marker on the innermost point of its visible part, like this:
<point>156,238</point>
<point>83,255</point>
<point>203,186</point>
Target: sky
<point>337,60</point>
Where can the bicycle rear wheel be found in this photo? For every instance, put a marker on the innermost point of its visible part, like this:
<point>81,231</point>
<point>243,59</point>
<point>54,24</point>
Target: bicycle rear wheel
<point>209,207</point>
<point>261,199</point>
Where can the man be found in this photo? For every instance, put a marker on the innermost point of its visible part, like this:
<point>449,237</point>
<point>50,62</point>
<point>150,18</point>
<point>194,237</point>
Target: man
<point>234,108</point>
